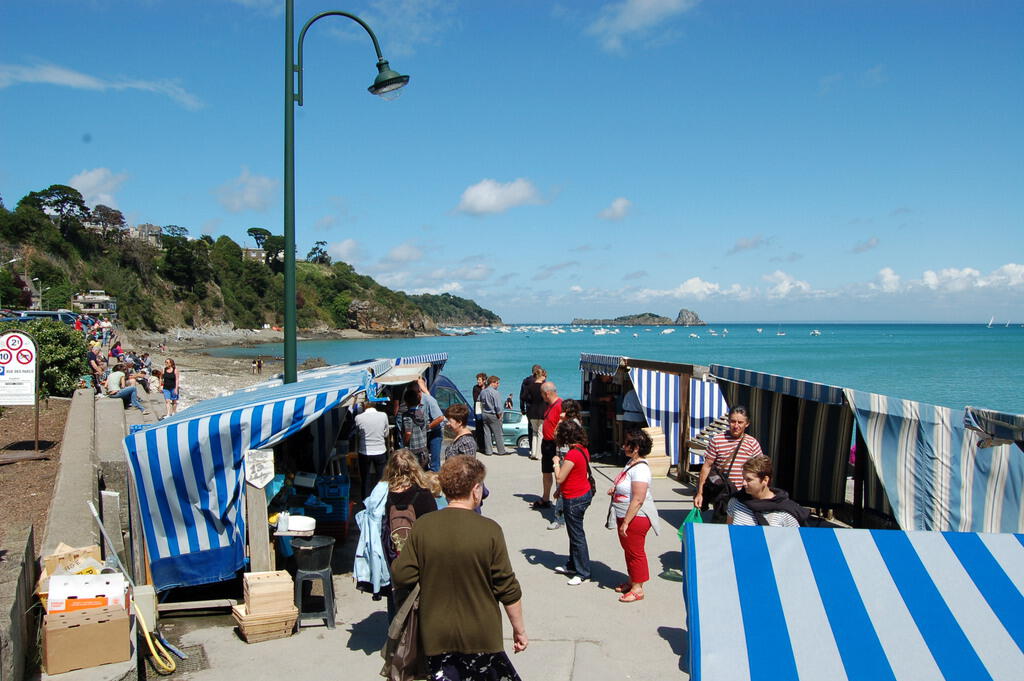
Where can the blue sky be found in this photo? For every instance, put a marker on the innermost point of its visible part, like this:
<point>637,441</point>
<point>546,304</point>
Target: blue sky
<point>752,161</point>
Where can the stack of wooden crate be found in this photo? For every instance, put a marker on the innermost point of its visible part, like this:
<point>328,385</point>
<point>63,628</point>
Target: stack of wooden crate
<point>657,459</point>
<point>269,610</point>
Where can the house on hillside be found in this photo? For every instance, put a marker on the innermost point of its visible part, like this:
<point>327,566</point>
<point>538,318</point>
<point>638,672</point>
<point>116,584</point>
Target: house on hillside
<point>146,232</point>
<point>95,302</point>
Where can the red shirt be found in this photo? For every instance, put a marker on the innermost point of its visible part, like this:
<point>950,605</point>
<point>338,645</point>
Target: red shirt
<point>551,417</point>
<point>576,483</point>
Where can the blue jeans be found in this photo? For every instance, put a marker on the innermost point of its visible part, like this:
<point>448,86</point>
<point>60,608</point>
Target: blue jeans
<point>434,441</point>
<point>128,394</point>
<point>579,554</point>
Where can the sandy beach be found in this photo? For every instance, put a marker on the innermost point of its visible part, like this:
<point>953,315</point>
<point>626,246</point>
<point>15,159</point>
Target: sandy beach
<point>204,376</point>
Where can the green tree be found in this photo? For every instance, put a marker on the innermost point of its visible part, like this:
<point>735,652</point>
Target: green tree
<point>273,253</point>
<point>175,232</point>
<point>318,254</point>
<point>63,201</point>
<point>108,219</point>
<point>258,235</point>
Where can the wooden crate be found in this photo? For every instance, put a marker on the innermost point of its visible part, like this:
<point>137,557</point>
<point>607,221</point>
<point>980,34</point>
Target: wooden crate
<point>268,592</point>
<point>265,627</point>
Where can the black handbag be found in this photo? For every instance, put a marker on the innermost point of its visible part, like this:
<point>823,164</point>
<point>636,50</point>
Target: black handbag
<point>717,486</point>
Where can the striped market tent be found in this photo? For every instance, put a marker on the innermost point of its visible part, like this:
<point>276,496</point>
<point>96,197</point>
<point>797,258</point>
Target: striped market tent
<point>935,473</point>
<point>805,427</point>
<point>812,604</point>
<point>598,365</point>
<point>659,396</point>
<point>707,403</point>
<point>436,361</point>
<point>998,428</point>
<point>189,472</point>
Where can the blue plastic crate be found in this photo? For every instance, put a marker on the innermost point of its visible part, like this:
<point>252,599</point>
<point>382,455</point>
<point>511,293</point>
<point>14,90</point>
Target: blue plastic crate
<point>331,487</point>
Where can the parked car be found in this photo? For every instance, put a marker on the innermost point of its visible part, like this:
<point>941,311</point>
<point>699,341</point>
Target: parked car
<point>447,393</point>
<point>515,429</point>
<point>31,315</point>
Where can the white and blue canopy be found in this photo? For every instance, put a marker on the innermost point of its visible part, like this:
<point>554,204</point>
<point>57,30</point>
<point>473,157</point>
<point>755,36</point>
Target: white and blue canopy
<point>816,604</point>
<point>189,471</point>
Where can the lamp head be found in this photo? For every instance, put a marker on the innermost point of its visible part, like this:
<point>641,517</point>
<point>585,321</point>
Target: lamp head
<point>388,82</point>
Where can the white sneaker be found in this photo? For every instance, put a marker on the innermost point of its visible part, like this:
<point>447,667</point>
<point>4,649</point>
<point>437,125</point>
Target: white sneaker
<point>562,570</point>
<point>554,525</point>
<point>575,581</point>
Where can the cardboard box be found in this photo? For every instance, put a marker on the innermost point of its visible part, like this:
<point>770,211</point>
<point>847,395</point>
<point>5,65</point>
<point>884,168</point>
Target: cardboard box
<point>82,592</point>
<point>86,638</point>
<point>71,561</point>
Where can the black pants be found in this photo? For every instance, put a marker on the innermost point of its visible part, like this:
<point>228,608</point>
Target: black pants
<point>371,469</point>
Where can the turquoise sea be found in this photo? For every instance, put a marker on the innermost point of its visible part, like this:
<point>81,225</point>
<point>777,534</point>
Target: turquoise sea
<point>946,364</point>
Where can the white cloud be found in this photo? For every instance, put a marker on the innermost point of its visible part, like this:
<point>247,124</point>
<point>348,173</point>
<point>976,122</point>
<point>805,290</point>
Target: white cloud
<point>784,285</point>
<point>409,23</point>
<point>747,244</point>
<point>246,192</point>
<point>393,279</point>
<point>694,287</point>
<point>51,74</point>
<point>490,196</point>
<point>617,210</point>
<point>1009,275</point>
<point>448,287</point>
<point>98,185</point>
<point>347,250</point>
<point>405,252</point>
<point>887,280</point>
<point>952,279</point>
<point>576,289</point>
<point>865,246</point>
<point>631,18</point>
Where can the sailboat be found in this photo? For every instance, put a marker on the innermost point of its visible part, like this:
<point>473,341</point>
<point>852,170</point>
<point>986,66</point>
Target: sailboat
<point>991,319</point>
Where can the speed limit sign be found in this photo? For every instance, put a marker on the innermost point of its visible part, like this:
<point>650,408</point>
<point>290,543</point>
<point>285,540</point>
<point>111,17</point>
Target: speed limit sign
<point>18,357</point>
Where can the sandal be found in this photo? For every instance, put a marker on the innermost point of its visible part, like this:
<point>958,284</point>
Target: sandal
<point>540,504</point>
<point>631,597</point>
<point>623,588</point>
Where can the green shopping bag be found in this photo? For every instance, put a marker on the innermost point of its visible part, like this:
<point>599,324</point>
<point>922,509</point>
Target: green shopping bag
<point>694,516</point>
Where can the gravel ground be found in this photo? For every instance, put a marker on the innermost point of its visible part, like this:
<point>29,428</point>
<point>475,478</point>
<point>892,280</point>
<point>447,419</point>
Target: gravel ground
<point>27,486</point>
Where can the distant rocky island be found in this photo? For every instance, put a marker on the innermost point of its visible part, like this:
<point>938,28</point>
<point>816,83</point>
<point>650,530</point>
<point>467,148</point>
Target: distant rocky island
<point>684,318</point>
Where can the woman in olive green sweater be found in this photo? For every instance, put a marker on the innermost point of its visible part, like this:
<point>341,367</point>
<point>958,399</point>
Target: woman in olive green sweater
<point>461,562</point>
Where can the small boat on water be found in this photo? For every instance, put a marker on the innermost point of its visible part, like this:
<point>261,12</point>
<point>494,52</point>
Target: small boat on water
<point>693,335</point>
<point>815,332</point>
<point>759,329</point>
<point>991,319</point>
<point>667,331</point>
<point>780,333</point>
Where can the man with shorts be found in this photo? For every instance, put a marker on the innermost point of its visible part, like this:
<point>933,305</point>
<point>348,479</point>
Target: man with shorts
<point>547,444</point>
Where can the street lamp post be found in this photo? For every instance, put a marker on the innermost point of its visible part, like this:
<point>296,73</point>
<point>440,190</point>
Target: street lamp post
<point>386,82</point>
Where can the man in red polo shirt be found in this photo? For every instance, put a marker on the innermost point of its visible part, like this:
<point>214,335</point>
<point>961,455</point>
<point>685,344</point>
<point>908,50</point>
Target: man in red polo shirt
<point>547,444</point>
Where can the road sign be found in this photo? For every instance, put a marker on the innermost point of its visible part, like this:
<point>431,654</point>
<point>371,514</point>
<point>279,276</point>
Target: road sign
<point>18,360</point>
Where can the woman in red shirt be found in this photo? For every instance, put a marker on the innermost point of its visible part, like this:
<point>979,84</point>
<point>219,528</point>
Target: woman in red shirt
<point>576,488</point>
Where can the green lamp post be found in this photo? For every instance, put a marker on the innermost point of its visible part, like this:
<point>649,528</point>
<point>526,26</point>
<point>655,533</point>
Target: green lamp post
<point>385,84</point>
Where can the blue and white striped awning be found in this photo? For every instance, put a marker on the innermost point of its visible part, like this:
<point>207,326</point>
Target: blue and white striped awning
<point>707,403</point>
<point>605,365</point>
<point>815,604</point>
<point>807,390</point>
<point>189,471</point>
<point>436,360</point>
<point>659,396</point>
<point>998,427</point>
<point>934,472</point>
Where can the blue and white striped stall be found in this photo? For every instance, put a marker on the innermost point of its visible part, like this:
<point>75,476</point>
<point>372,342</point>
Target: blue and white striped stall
<point>659,396</point>
<point>189,472</point>
<point>823,604</point>
<point>935,473</point>
<point>707,403</point>
<point>794,387</point>
<point>436,360</point>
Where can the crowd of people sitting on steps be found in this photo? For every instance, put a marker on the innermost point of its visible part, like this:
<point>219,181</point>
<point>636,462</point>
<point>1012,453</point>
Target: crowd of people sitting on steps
<point>117,372</point>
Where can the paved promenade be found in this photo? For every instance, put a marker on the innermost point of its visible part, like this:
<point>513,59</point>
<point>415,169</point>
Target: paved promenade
<point>579,633</point>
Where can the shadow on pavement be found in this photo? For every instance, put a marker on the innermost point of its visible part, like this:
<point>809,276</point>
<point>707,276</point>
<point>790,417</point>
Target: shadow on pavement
<point>676,638</point>
<point>600,573</point>
<point>368,635</point>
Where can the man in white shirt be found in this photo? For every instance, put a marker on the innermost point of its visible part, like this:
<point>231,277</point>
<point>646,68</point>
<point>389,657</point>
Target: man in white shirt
<point>372,426</point>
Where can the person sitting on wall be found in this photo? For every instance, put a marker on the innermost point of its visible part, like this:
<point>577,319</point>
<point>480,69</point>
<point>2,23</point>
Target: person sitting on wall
<point>761,504</point>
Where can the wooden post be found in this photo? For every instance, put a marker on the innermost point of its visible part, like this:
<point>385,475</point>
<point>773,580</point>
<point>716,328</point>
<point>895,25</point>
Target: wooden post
<point>257,523</point>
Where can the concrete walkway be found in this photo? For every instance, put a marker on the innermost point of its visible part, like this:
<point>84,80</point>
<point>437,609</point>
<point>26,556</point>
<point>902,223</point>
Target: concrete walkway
<point>579,633</point>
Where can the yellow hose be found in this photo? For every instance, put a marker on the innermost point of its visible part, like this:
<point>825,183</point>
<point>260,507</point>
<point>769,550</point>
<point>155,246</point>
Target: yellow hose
<point>162,660</point>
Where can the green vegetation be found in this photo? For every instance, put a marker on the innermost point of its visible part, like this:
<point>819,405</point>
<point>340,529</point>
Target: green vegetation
<point>448,309</point>
<point>190,282</point>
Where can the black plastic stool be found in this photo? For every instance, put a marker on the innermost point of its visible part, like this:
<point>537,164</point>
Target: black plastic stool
<point>313,562</point>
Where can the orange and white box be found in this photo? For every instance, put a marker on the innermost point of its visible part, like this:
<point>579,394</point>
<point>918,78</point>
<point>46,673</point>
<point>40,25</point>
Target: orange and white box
<point>81,592</point>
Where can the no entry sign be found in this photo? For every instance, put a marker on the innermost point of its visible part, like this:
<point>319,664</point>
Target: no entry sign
<point>17,369</point>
